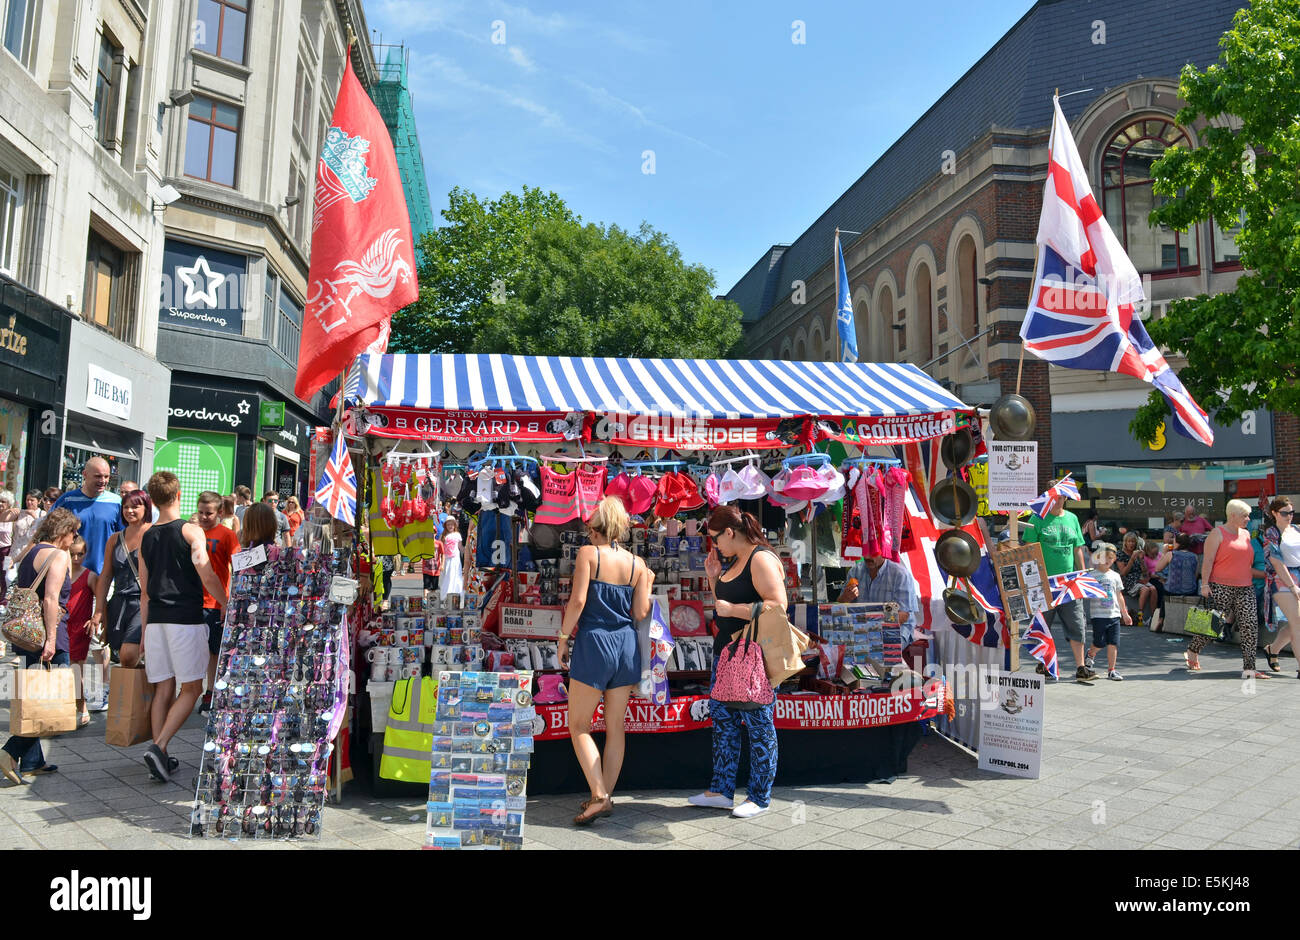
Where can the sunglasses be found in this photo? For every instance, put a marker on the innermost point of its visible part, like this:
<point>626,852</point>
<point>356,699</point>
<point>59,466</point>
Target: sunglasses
<point>1286,512</point>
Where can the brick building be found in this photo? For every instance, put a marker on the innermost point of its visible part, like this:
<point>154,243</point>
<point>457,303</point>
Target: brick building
<point>941,275</point>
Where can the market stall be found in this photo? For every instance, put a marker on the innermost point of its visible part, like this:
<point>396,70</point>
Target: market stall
<point>509,440</point>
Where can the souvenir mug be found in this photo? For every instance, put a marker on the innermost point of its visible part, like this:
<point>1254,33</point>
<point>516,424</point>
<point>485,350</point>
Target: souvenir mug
<point>379,655</point>
<point>379,672</point>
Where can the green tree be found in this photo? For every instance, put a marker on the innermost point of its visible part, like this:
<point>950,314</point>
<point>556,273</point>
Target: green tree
<point>1243,345</point>
<point>523,275</point>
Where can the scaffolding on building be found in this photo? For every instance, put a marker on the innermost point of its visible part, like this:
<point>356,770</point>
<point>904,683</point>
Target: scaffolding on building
<point>392,97</point>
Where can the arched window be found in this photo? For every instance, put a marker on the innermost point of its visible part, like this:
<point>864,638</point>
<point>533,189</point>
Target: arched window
<point>967,288</point>
<point>1127,198</point>
<point>887,316</point>
<point>800,351</point>
<point>867,351</point>
<point>923,304</point>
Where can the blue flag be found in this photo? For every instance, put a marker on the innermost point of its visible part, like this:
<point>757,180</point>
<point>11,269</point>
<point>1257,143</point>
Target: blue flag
<point>844,308</point>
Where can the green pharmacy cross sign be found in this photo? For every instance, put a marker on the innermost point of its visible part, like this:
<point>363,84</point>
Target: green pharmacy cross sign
<point>272,414</point>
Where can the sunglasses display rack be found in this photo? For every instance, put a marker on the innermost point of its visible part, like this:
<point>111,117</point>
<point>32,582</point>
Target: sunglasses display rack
<point>281,684</point>
<point>482,748</point>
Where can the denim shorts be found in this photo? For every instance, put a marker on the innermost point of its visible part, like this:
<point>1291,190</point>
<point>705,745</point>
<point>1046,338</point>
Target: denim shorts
<point>1105,632</point>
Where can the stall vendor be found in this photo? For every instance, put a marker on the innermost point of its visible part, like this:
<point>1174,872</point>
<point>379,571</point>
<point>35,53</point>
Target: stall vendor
<point>877,580</point>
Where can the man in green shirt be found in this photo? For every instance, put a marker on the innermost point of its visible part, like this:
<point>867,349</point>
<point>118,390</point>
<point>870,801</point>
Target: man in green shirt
<point>1062,540</point>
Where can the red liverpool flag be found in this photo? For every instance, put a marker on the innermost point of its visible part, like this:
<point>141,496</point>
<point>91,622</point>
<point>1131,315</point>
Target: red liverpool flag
<point>362,257</point>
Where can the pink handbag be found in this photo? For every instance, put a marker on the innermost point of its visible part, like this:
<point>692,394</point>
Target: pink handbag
<point>741,681</point>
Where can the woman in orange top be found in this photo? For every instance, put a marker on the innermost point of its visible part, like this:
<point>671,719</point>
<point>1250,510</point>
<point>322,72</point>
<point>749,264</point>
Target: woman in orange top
<point>1226,580</point>
<point>294,514</point>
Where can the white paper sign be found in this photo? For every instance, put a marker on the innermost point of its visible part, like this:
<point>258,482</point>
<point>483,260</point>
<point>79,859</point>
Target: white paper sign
<point>108,393</point>
<point>254,556</point>
<point>1011,723</point>
<point>534,623</point>
<point>1013,474</point>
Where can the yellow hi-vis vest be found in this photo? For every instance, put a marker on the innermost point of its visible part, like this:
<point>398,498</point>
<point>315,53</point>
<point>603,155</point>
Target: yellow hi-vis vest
<point>408,739</point>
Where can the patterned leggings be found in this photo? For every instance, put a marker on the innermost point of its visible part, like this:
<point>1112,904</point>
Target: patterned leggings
<point>1240,603</point>
<point>726,750</point>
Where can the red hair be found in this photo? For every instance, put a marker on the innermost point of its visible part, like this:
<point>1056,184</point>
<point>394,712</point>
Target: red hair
<point>729,517</point>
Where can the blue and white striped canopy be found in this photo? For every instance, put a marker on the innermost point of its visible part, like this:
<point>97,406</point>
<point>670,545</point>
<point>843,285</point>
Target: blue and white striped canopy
<point>696,388</point>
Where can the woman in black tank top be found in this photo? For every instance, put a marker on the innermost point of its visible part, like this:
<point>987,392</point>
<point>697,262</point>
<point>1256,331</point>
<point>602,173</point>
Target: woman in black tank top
<point>755,575</point>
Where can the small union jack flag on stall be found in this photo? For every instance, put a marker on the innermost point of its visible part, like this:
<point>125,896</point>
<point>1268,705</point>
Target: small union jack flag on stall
<point>337,490</point>
<point>1064,488</point>
<point>1040,645</point>
<point>1075,586</point>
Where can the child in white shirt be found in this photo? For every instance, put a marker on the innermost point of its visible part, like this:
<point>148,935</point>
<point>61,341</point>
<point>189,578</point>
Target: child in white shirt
<point>1108,614</point>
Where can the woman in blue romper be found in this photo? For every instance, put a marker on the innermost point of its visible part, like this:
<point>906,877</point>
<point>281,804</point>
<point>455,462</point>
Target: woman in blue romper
<point>611,591</point>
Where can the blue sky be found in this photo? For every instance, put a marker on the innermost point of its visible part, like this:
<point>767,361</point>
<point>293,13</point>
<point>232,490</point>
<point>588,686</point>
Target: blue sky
<point>753,134</point>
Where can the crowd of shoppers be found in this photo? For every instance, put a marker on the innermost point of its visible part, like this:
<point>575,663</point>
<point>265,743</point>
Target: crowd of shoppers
<point>134,577</point>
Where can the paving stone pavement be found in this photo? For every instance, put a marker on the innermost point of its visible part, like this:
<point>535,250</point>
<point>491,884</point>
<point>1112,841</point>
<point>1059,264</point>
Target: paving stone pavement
<point>1165,759</point>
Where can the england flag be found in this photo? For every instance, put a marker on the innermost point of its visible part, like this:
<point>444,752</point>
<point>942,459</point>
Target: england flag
<point>1082,307</point>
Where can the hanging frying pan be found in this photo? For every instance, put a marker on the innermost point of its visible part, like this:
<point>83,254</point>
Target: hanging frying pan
<point>1012,418</point>
<point>953,502</point>
<point>957,448</point>
<point>957,553</point>
<point>960,607</point>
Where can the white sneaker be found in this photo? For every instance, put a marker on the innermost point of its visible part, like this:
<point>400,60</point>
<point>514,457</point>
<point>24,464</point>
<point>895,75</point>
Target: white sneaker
<point>714,802</point>
<point>1114,676</point>
<point>748,810</point>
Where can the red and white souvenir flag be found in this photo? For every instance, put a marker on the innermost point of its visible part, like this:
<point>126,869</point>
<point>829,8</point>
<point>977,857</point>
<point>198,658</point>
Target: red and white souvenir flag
<point>362,256</point>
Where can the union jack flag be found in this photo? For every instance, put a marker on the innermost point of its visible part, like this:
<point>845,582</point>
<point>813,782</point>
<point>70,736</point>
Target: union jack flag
<point>337,490</point>
<point>1075,586</point>
<point>1063,489</point>
<point>1082,307</point>
<point>1040,645</point>
<point>920,535</point>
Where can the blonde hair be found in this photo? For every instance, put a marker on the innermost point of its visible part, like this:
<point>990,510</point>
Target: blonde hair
<point>1239,506</point>
<point>451,525</point>
<point>610,519</point>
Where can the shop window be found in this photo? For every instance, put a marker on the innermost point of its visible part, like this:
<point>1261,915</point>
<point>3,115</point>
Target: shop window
<point>222,28</point>
<point>110,287</point>
<point>108,77</point>
<point>13,448</point>
<point>1128,198</point>
<point>288,326</point>
<point>11,201</point>
<point>212,141</point>
<point>19,29</point>
<point>85,440</point>
<point>1227,256</point>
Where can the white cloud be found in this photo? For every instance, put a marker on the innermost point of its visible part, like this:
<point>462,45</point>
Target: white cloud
<point>612,102</point>
<point>450,72</point>
<point>520,58</point>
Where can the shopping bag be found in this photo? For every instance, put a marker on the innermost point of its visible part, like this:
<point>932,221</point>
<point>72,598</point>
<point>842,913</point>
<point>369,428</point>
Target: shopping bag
<point>740,681</point>
<point>130,699</point>
<point>44,702</point>
<point>781,641</point>
<point>1203,621</point>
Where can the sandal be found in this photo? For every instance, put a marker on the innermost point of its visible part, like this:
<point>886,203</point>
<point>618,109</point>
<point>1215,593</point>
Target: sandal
<point>1272,659</point>
<point>1191,666</point>
<point>583,820</point>
<point>83,719</point>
